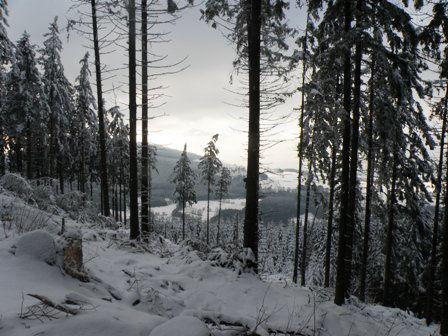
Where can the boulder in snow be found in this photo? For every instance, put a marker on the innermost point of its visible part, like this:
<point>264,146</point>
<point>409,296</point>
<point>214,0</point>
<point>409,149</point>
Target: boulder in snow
<point>38,245</point>
<point>181,325</point>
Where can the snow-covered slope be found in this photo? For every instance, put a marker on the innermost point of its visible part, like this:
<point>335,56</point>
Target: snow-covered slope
<point>161,289</point>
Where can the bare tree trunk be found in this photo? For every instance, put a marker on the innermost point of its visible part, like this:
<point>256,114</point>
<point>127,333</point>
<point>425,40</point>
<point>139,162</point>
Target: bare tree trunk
<point>369,187</point>
<point>208,212</point>
<point>435,232</point>
<point>390,233</point>
<point>219,221</point>
<point>341,289</point>
<point>183,220</point>
<point>354,153</point>
<point>133,185</point>
<point>444,271</point>
<point>300,149</point>
<point>144,186</point>
<point>102,131</point>
<point>253,155</point>
<point>305,227</point>
<point>29,152</point>
<point>330,217</point>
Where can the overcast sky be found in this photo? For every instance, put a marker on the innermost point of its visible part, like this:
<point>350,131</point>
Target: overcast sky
<point>197,106</point>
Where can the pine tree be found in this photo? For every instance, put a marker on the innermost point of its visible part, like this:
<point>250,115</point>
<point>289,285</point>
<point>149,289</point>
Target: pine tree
<point>59,93</point>
<point>184,180</point>
<point>84,119</point>
<point>209,166</point>
<point>25,108</point>
<point>222,189</point>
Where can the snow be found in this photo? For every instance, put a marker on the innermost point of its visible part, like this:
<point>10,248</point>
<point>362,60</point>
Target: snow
<point>167,289</point>
<point>38,245</point>
<point>189,326</point>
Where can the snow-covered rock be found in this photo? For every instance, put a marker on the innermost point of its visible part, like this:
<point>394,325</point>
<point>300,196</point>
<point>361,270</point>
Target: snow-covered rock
<point>182,325</point>
<point>38,245</point>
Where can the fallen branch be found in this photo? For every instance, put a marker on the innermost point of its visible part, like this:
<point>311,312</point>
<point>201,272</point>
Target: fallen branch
<point>48,302</point>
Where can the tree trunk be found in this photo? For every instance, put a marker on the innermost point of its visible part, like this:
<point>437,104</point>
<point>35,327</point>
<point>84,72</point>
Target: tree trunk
<point>300,149</point>
<point>370,176</point>
<point>144,186</point>
<point>341,289</point>
<point>253,155</point>
<point>82,169</point>
<point>330,217</point>
<point>29,152</point>
<point>305,227</point>
<point>120,196</point>
<point>354,153</point>
<point>208,212</point>
<point>435,233</point>
<point>219,221</point>
<point>101,123</point>
<point>133,185</point>
<point>390,233</point>
<point>61,174</point>
<point>183,220</point>
<point>444,271</point>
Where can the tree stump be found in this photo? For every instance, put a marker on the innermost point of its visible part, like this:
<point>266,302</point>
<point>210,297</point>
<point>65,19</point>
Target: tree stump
<point>73,257</point>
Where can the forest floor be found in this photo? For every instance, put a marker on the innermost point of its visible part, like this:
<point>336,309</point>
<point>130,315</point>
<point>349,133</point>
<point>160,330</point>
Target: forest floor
<point>163,289</point>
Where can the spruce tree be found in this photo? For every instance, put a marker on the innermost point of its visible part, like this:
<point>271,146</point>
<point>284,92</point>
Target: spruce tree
<point>209,166</point>
<point>59,93</point>
<point>84,119</point>
<point>183,178</point>
<point>222,189</point>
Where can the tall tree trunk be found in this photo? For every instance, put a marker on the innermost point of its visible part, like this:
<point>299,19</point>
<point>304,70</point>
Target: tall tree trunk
<point>253,155</point>
<point>19,160</point>
<point>330,217</point>
<point>435,232</point>
<point>305,226</point>
<point>125,205</point>
<point>29,152</point>
<point>369,187</point>
<point>353,184</point>
<point>444,271</point>
<point>101,114</point>
<point>341,289</point>
<point>208,212</point>
<point>144,186</point>
<point>183,220</point>
<point>133,185</point>
<point>61,174</point>
<point>150,218</point>
<point>219,221</point>
<point>120,196</point>
<point>82,169</point>
<point>390,233</point>
<point>300,149</point>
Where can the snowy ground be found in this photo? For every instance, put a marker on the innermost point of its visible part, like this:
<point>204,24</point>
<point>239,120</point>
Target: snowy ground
<point>163,289</point>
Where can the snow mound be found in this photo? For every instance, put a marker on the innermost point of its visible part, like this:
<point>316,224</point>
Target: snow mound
<point>16,184</point>
<point>182,325</point>
<point>38,245</point>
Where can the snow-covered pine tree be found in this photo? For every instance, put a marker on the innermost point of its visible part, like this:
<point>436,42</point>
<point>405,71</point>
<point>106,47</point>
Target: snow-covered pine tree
<point>209,166</point>
<point>59,93</point>
<point>183,179</point>
<point>222,189</point>
<point>84,123</point>
<point>25,110</point>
